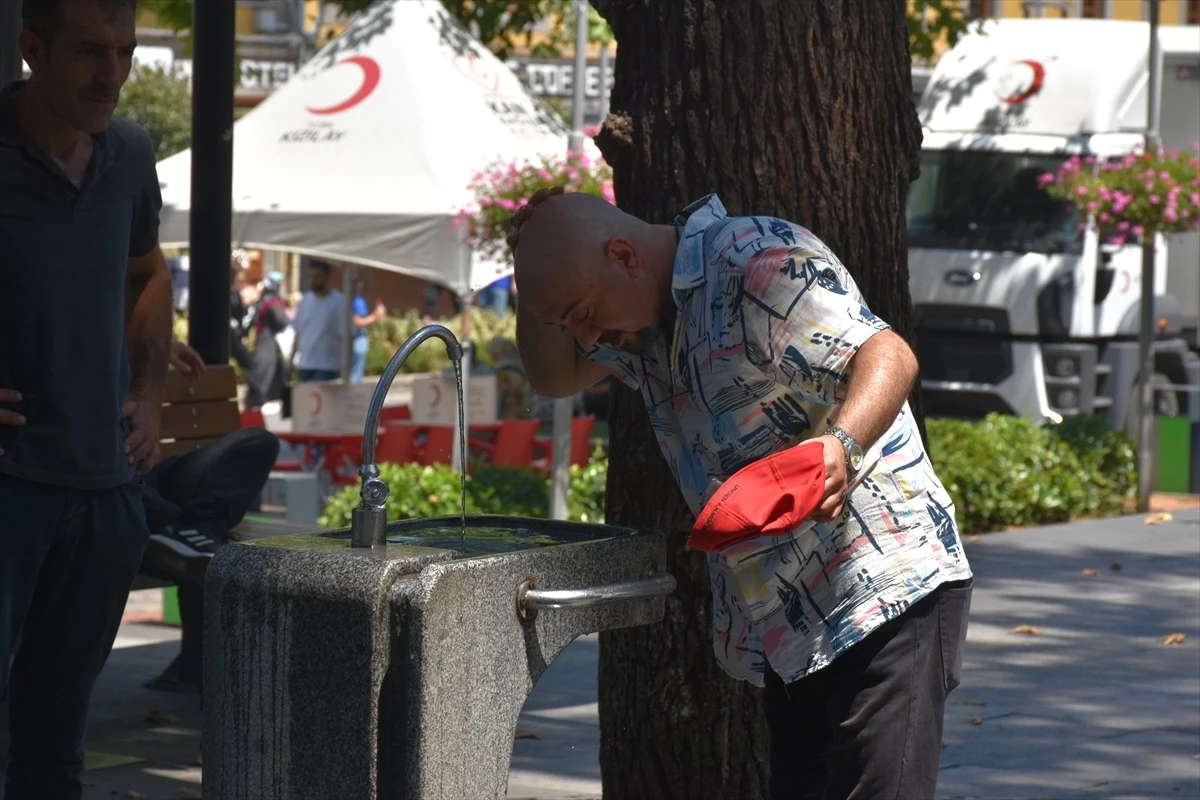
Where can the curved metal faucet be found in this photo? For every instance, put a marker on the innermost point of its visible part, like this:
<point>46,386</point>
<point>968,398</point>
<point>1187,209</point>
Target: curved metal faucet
<point>368,527</point>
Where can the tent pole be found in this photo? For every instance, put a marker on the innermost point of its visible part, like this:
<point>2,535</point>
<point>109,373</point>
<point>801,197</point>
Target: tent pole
<point>564,407</point>
<point>349,276</point>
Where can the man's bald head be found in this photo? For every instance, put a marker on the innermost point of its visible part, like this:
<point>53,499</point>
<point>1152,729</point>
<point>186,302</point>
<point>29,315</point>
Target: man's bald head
<point>588,267</point>
<point>565,239</point>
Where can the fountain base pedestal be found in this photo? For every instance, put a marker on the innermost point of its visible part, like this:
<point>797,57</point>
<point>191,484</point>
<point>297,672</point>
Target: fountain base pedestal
<point>377,674</point>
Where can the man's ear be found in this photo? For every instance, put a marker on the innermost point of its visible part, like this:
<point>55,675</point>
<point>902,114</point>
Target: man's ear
<point>33,49</point>
<point>621,251</point>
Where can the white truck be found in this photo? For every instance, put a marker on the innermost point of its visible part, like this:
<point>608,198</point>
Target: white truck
<point>1016,309</point>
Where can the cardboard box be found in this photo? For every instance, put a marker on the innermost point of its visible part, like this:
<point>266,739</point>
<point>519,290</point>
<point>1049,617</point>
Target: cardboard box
<point>435,400</point>
<point>330,407</point>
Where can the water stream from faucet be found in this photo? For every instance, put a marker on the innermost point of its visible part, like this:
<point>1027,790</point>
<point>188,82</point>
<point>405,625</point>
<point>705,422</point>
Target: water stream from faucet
<point>462,447</point>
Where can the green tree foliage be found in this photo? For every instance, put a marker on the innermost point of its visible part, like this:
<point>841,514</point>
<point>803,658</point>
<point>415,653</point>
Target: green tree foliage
<point>160,100</point>
<point>501,24</point>
<point>931,20</point>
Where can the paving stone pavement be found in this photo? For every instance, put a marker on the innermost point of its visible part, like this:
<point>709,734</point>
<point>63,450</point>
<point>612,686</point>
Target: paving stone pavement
<point>1094,705</point>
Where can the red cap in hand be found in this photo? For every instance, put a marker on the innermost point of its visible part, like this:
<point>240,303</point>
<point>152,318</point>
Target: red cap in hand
<point>770,497</point>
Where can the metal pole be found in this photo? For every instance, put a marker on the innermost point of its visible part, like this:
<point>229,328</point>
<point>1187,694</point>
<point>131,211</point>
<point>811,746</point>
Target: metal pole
<point>212,178</point>
<point>11,65</point>
<point>1145,437</point>
<point>564,407</point>
<point>605,66</point>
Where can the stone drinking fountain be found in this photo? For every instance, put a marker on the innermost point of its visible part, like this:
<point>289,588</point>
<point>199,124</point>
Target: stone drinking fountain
<point>391,660</point>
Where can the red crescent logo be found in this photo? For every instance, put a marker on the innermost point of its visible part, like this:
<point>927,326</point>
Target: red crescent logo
<point>371,74</point>
<point>437,395</point>
<point>319,401</point>
<point>1035,86</point>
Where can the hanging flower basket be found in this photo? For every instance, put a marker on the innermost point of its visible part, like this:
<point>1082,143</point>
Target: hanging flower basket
<point>500,189</point>
<point>1141,194</point>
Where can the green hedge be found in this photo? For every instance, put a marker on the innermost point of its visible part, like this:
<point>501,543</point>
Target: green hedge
<point>418,492</point>
<point>1001,472</point>
<point>1004,471</point>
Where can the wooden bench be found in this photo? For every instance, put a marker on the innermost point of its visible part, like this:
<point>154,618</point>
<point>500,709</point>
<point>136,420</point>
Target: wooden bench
<point>195,414</point>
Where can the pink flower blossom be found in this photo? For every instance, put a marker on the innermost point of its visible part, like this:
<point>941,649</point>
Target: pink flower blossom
<point>1149,186</point>
<point>1045,179</point>
<point>1171,215</point>
<point>1195,198</point>
<point>1104,216</point>
<point>1153,199</point>
<point>507,204</point>
<point>1166,176</point>
<point>1122,226</point>
<point>1081,191</point>
<point>1092,206</point>
<point>1116,240</point>
<point>1137,230</point>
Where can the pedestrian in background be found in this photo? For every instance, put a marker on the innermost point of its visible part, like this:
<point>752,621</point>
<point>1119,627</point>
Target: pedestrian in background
<point>320,328</point>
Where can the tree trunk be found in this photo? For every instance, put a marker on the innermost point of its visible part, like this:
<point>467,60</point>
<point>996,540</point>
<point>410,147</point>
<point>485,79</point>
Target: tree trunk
<point>800,110</point>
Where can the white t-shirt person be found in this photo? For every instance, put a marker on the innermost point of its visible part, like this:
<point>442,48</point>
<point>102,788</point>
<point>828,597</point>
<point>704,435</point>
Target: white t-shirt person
<point>320,326</point>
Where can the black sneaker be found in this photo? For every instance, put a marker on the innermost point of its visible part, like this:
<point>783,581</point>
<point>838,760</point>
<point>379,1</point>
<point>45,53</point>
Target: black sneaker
<point>183,552</point>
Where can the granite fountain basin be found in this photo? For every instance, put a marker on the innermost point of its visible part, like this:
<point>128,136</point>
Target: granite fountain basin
<point>399,671</point>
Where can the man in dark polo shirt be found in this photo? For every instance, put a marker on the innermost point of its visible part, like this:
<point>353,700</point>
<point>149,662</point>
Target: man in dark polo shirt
<point>85,323</point>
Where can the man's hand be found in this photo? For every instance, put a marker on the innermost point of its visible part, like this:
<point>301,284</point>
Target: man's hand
<point>141,448</point>
<point>836,480</point>
<point>526,211</point>
<point>10,417</point>
<point>186,360</point>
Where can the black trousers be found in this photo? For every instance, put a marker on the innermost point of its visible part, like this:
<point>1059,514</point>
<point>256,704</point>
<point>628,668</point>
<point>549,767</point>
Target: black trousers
<point>212,488</point>
<point>869,725</point>
<point>67,560</point>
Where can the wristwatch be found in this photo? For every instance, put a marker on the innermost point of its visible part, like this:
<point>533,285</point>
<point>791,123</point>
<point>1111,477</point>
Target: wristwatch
<point>854,452</point>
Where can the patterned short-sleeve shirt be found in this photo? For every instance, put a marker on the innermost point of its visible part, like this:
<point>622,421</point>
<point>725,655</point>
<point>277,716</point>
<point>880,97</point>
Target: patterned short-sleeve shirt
<point>767,321</point>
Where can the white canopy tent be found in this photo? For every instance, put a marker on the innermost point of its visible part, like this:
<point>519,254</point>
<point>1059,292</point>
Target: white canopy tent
<point>365,156</point>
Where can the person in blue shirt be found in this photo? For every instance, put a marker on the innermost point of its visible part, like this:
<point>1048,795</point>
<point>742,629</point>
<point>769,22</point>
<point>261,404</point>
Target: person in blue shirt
<point>362,320</point>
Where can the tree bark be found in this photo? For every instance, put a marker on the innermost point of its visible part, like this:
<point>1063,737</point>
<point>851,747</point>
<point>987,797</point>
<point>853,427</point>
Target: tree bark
<point>800,110</point>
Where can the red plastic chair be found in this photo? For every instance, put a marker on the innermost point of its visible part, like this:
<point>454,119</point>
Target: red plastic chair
<point>394,414</point>
<point>581,446</point>
<point>253,418</point>
<point>438,447</point>
<point>397,444</point>
<point>513,446</point>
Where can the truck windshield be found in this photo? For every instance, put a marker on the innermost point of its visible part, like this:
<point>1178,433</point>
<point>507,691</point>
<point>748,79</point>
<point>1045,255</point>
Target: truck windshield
<point>983,200</point>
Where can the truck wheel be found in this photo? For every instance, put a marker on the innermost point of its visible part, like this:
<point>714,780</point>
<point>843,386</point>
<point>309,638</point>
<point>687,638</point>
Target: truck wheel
<point>1166,403</point>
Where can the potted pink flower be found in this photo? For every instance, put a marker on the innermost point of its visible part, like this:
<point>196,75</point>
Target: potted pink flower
<point>1138,195</point>
<point>500,189</point>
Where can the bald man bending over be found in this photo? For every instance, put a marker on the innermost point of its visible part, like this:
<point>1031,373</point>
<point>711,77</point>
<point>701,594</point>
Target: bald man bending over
<point>746,336</point>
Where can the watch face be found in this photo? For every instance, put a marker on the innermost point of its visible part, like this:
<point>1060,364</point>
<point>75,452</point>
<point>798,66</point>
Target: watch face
<point>856,458</point>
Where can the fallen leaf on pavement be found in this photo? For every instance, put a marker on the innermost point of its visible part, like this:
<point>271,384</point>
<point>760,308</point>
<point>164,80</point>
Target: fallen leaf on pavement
<point>1029,630</point>
<point>1159,518</point>
<point>974,720</point>
<point>526,735</point>
<point>1090,573</point>
<point>156,717</point>
<point>1115,565</point>
<point>1174,638</point>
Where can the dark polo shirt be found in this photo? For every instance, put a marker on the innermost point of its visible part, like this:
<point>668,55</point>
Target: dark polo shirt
<point>63,257</point>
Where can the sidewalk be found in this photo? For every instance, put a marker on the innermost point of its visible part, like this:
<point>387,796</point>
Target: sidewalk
<point>1088,703</point>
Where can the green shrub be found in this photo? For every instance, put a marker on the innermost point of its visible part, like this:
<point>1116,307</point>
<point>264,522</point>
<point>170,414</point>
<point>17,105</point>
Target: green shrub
<point>1001,472</point>
<point>385,337</point>
<point>418,492</point>
<point>1005,471</point>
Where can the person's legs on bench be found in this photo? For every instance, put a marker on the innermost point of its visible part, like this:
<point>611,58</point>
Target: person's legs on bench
<point>203,493</point>
<point>213,488</point>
